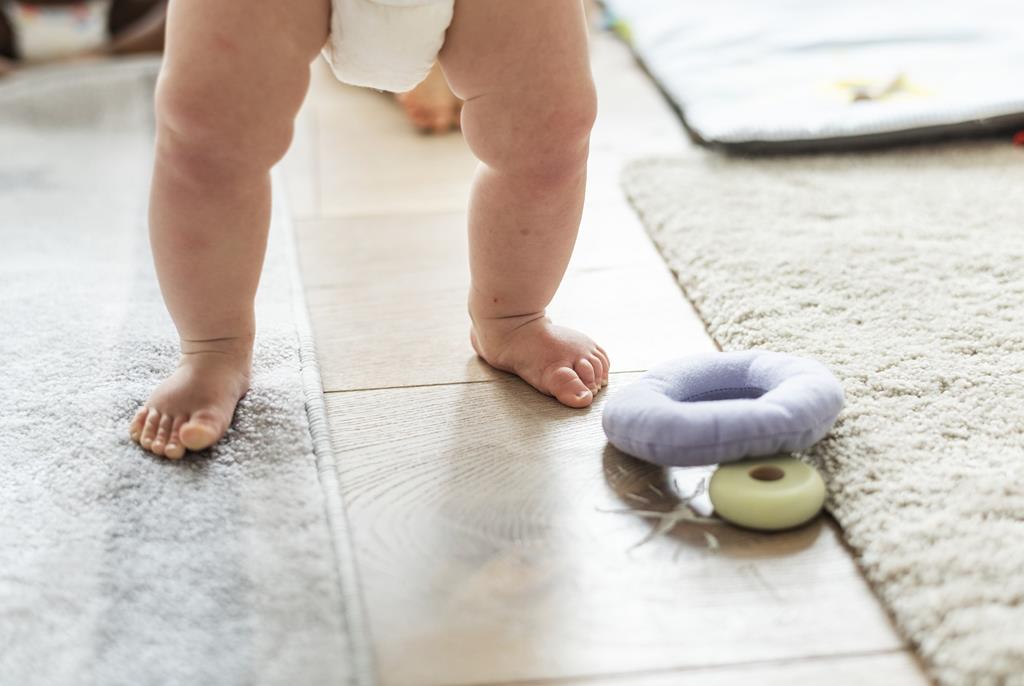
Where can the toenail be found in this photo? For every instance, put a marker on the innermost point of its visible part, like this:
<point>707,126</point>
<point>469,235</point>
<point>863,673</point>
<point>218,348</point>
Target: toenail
<point>582,394</point>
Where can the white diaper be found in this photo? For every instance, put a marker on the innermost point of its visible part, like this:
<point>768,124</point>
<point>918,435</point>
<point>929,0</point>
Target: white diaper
<point>386,44</point>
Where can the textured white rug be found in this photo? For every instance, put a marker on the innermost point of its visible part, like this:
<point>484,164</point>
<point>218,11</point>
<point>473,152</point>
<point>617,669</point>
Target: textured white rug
<point>903,271</point>
<point>116,567</point>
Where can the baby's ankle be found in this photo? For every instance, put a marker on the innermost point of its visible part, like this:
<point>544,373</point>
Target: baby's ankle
<point>502,326</point>
<point>237,347</point>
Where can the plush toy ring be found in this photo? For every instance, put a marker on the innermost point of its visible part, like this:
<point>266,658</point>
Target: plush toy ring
<point>721,407</point>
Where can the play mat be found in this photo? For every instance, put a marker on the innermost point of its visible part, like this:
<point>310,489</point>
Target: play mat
<point>800,75</point>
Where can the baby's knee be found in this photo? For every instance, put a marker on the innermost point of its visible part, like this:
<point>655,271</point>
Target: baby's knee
<point>557,141</point>
<point>546,138</point>
<point>203,135</point>
<point>571,120</point>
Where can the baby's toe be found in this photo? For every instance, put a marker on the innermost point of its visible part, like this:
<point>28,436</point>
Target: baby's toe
<point>587,374</point>
<point>567,387</point>
<point>163,432</point>
<point>203,429</point>
<point>138,422</point>
<point>174,449</point>
<point>600,372</point>
<point>603,356</point>
<point>149,428</point>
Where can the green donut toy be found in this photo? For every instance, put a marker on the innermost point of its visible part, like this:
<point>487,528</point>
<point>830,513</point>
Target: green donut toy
<point>767,494</point>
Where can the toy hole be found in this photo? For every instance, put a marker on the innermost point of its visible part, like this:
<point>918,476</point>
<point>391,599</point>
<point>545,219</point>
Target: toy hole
<point>766,472</point>
<point>736,393</point>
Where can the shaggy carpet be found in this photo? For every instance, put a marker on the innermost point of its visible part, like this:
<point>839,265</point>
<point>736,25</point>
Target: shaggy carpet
<point>904,272</point>
<point>116,567</point>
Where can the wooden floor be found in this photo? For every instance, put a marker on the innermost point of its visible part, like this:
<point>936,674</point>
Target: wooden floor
<point>497,532</point>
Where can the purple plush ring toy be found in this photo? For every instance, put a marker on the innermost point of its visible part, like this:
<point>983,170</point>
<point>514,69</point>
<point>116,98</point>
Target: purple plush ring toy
<point>722,407</point>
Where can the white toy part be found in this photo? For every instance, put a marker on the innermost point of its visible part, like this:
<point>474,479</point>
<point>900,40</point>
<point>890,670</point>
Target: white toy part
<point>48,32</point>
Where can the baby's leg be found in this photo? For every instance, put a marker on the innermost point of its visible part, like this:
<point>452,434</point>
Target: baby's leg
<point>234,76</point>
<point>523,69</point>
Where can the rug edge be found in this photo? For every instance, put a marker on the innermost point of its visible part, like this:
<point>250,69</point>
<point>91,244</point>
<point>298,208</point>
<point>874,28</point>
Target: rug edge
<point>630,179</point>
<point>353,612</point>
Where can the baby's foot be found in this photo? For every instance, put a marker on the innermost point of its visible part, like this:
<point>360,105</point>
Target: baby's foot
<point>431,106</point>
<point>193,407</point>
<point>553,359</point>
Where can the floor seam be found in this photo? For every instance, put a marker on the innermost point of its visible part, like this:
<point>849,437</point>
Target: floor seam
<point>342,391</point>
<point>613,677</point>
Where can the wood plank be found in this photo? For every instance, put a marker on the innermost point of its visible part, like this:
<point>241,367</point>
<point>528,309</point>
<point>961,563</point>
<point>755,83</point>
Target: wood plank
<point>484,549</point>
<point>897,668</point>
<point>388,289</point>
<point>387,296</point>
<point>487,553</point>
<point>299,166</point>
<point>372,160</point>
<point>633,117</point>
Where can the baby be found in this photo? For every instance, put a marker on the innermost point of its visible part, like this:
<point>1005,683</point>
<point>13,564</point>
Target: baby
<point>234,75</point>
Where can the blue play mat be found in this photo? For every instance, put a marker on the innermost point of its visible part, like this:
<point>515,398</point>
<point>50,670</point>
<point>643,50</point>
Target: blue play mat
<point>749,75</point>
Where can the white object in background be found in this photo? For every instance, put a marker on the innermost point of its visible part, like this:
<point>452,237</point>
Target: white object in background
<point>46,32</point>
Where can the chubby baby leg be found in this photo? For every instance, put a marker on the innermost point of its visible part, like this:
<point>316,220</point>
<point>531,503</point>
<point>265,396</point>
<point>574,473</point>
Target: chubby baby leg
<point>234,75</point>
<point>523,69</point>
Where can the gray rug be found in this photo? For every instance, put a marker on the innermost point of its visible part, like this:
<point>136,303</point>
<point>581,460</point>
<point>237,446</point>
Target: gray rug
<point>231,567</point>
<point>905,273</point>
